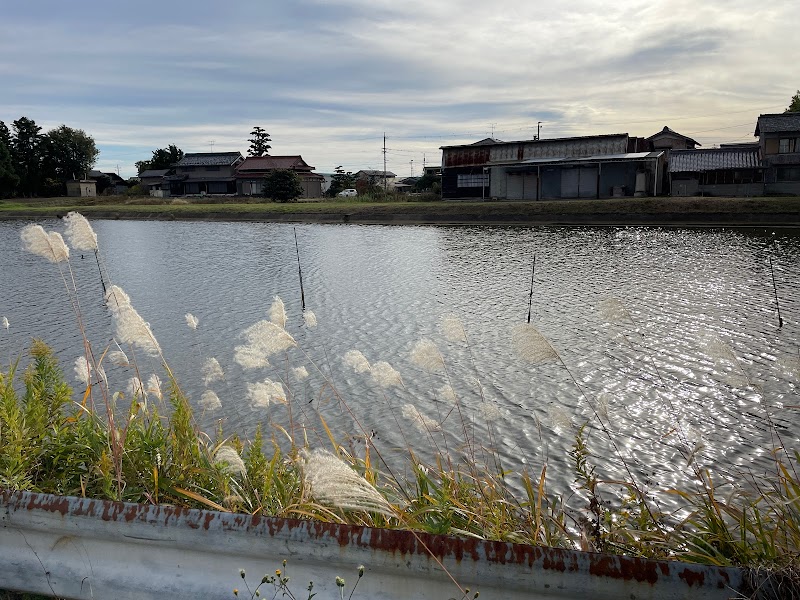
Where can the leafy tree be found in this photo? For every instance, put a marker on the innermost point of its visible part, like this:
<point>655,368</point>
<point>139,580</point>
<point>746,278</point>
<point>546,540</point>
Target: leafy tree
<point>425,182</point>
<point>259,142</point>
<point>67,153</point>
<point>794,106</point>
<point>8,177</point>
<point>282,185</point>
<point>341,181</point>
<point>26,154</point>
<point>163,158</point>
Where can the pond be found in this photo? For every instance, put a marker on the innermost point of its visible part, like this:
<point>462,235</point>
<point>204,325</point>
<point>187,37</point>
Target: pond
<point>696,360</point>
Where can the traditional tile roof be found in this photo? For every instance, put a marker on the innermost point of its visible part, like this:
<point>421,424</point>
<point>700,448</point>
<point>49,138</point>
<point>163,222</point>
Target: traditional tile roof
<point>778,123</point>
<point>269,163</point>
<point>374,173</point>
<point>154,173</point>
<point>209,159</point>
<point>713,159</point>
<point>673,133</point>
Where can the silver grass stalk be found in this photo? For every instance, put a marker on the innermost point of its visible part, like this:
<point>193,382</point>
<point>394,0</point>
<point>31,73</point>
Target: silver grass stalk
<point>717,349</point>
<point>452,329</point>
<point>531,345</point>
<point>559,418</point>
<point>356,360</point>
<point>80,234</point>
<point>425,354</point>
<point>446,393</point>
<point>191,320</point>
<point>385,376</point>
<point>310,319</point>
<point>116,298</point>
<point>264,393</point>
<point>154,386</point>
<point>420,421</point>
<point>210,401</point>
<point>49,246</point>
<point>491,411</point>
<point>249,357</point>
<point>5,323</point>
<point>212,371</point>
<point>300,373</point>
<point>231,462</point>
<point>268,337</point>
<point>332,482</point>
<point>132,329</point>
<point>612,310</point>
<point>277,313</point>
<point>118,358</point>
<point>791,364</point>
<point>136,388</point>
<point>83,370</point>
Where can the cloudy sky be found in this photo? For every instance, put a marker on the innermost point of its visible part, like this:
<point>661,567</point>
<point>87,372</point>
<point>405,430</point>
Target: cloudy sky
<point>327,78</point>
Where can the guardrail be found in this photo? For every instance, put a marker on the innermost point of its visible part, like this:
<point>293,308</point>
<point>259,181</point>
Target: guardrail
<point>82,548</point>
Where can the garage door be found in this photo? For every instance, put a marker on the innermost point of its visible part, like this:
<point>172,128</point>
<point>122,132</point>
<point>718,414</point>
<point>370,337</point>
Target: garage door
<point>587,182</point>
<point>569,183</point>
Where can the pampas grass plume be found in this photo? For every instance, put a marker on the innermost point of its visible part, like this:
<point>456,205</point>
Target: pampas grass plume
<point>80,234</point>
<point>452,329</point>
<point>50,246</point>
<point>230,460</point>
<point>212,371</point>
<point>5,323</point>
<point>118,358</point>
<point>191,320</point>
<point>277,313</point>
<point>310,318</point>
<point>425,354</point>
<point>268,337</point>
<point>83,370</point>
<point>356,360</point>
<point>385,376</point>
<point>264,393</point>
<point>210,401</point>
<point>446,393</point>
<point>136,388</point>
<point>154,386</point>
<point>332,482</point>
<point>420,421</point>
<point>300,373</point>
<point>249,357</point>
<point>130,327</point>
<point>531,345</point>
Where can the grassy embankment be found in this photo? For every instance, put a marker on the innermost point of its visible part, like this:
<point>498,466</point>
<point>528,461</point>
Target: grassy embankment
<point>778,211</point>
<point>143,446</point>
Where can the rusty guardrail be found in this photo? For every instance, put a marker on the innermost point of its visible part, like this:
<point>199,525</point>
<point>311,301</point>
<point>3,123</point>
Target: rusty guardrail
<point>82,548</point>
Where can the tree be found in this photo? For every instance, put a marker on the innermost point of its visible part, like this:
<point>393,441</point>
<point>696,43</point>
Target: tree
<point>259,143</point>
<point>5,136</point>
<point>8,176</point>
<point>794,106</point>
<point>163,158</point>
<point>341,181</point>
<point>67,153</point>
<point>282,185</point>
<point>26,154</point>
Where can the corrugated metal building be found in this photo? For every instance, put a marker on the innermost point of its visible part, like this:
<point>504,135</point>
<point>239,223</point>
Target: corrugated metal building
<point>728,171</point>
<point>599,166</point>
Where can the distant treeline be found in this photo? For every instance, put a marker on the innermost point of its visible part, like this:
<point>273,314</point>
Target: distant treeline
<point>33,163</point>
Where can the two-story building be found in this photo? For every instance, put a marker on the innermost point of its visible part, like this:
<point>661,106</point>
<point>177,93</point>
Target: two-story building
<point>596,166</point>
<point>779,139</point>
<point>205,173</point>
<point>252,171</point>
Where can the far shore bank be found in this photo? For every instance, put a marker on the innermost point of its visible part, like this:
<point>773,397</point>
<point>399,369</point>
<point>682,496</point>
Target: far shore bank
<point>666,212</point>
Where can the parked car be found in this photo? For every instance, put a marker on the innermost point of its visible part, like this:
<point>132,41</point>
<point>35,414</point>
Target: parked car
<point>348,193</point>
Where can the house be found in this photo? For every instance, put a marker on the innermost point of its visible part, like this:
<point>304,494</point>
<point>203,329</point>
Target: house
<point>153,180</point>
<point>733,170</point>
<point>250,174</point>
<point>779,140</point>
<point>205,173</point>
<point>597,166</point>
<point>111,181</point>
<point>379,178</point>
<point>81,188</point>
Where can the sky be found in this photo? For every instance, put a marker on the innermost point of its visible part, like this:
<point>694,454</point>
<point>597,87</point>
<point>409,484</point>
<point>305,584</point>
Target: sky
<point>327,79</point>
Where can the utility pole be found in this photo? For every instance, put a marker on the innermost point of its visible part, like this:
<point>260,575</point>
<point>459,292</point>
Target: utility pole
<point>384,163</point>
<point>492,126</point>
<point>212,144</point>
<point>412,167</point>
<point>539,130</point>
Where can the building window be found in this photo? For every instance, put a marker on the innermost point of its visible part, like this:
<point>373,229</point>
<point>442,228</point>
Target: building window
<point>786,145</point>
<point>473,180</point>
<point>788,174</point>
